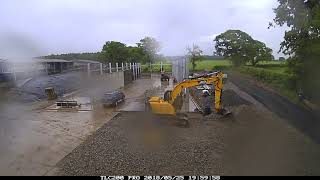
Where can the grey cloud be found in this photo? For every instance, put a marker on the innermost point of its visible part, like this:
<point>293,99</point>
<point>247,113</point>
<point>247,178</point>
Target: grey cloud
<point>61,26</point>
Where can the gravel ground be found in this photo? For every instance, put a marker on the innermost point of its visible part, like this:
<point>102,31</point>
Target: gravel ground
<point>248,143</point>
<point>130,144</point>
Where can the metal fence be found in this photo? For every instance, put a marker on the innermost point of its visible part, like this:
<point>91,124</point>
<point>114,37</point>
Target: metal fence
<point>180,69</point>
<point>99,68</point>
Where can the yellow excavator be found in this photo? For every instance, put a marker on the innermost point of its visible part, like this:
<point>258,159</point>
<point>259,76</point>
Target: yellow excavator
<point>169,104</point>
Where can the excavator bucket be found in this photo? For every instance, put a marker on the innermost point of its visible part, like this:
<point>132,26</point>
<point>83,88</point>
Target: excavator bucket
<point>178,120</point>
<point>182,120</point>
<point>224,112</point>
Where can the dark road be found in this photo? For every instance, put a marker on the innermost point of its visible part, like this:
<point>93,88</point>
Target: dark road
<point>302,119</point>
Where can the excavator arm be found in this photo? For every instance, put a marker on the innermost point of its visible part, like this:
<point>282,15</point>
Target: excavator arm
<point>216,79</point>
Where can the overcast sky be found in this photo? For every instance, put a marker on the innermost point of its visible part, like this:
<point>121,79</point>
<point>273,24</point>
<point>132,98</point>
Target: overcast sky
<point>40,27</point>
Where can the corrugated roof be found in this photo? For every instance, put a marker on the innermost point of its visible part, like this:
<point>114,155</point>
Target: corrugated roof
<point>85,61</point>
<point>54,60</point>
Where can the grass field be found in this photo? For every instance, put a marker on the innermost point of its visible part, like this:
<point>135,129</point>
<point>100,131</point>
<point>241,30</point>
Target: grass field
<point>156,68</point>
<point>274,66</point>
<point>210,64</point>
<point>202,65</point>
<point>271,66</point>
<point>280,70</point>
<point>271,63</point>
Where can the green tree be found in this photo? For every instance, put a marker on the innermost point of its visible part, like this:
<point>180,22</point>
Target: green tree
<point>240,48</point>
<point>160,58</point>
<point>114,52</point>
<point>234,45</point>
<point>195,55</point>
<point>74,56</point>
<point>301,42</point>
<point>136,54</point>
<point>150,47</point>
<point>259,52</point>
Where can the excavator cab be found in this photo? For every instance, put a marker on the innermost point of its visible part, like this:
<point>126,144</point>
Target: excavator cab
<point>167,95</point>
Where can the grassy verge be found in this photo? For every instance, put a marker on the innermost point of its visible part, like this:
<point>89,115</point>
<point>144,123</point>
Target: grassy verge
<point>277,78</point>
<point>156,68</point>
<point>211,65</point>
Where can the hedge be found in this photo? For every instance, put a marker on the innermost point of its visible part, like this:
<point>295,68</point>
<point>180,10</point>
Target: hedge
<point>279,79</point>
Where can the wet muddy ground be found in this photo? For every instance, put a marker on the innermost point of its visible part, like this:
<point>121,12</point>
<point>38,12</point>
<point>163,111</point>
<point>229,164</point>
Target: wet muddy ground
<point>35,136</point>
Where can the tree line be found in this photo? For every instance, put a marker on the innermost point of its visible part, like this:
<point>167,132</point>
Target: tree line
<point>145,51</point>
<point>241,48</point>
<point>73,56</point>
